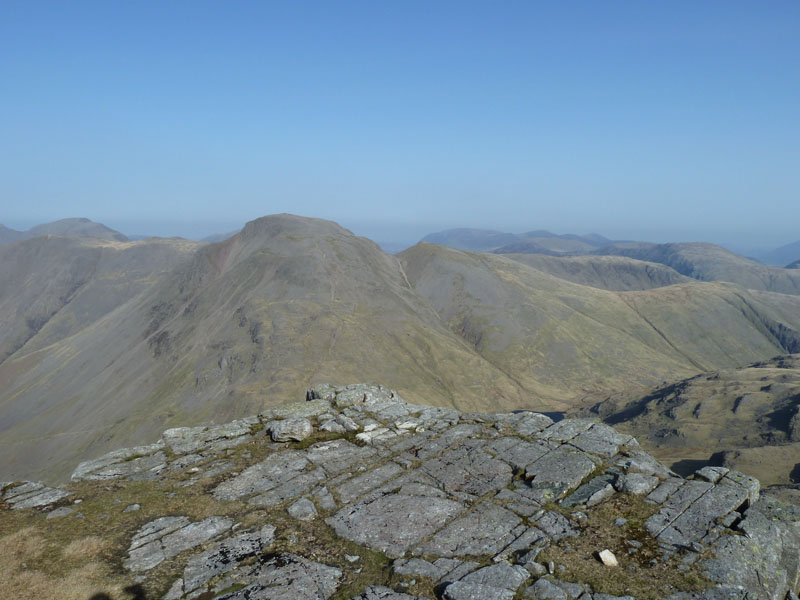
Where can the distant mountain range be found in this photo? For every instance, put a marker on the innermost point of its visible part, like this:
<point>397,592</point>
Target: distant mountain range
<point>698,260</point>
<point>65,227</point>
<point>105,343</point>
<point>709,262</point>
<point>790,253</point>
<point>483,240</point>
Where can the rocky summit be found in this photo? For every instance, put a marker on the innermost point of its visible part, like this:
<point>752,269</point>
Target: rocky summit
<point>355,494</point>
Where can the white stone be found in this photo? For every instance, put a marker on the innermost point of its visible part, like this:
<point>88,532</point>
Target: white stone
<point>608,559</point>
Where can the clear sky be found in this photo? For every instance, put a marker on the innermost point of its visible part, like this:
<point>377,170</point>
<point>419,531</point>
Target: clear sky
<point>657,120</point>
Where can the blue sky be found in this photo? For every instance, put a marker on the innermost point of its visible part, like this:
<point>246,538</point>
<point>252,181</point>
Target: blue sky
<point>657,120</point>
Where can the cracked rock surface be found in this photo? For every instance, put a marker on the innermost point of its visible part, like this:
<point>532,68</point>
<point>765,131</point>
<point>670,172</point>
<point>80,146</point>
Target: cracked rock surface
<point>356,494</point>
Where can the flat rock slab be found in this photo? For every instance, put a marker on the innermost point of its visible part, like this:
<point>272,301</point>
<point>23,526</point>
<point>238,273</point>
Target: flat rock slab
<point>366,482</point>
<point>290,488</point>
<point>461,590</point>
<point>500,576</point>
<point>703,514</point>
<point>674,506</point>
<point>558,472</point>
<point>486,529</point>
<point>384,593</point>
<point>123,463</point>
<point>185,440</point>
<point>600,439</point>
<point>271,472</point>
<point>289,577</point>
<point>166,537</point>
<point>41,498</point>
<point>519,454</point>
<point>469,470</point>
<point>340,455</point>
<point>303,510</point>
<point>394,523</point>
<point>224,556</point>
<point>565,430</point>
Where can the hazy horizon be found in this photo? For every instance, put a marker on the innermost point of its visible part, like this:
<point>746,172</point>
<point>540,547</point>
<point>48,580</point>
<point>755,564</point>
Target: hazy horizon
<point>408,234</point>
<point>663,123</point>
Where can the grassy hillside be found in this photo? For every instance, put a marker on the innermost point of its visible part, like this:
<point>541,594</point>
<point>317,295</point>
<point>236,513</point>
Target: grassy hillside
<point>52,287</point>
<point>580,340</point>
<point>545,242</point>
<point>708,262</point>
<point>616,273</point>
<point>286,303</point>
<point>290,302</point>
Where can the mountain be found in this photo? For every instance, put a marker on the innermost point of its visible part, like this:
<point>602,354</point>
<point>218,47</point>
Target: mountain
<point>709,262</point>
<point>794,265</point>
<point>10,235</point>
<point>65,227</point>
<point>52,287</point>
<point>286,302</point>
<point>291,301</point>
<point>355,494</point>
<point>544,242</point>
<point>616,273</point>
<point>540,241</point>
<point>746,418</point>
<point>476,240</point>
<point>781,256</point>
<point>568,341</point>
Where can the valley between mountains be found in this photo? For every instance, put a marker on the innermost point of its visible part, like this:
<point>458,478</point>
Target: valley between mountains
<point>104,343</point>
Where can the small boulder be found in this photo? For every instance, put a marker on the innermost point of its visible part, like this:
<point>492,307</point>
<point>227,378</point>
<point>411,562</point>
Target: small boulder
<point>607,558</point>
<point>303,510</point>
<point>290,430</point>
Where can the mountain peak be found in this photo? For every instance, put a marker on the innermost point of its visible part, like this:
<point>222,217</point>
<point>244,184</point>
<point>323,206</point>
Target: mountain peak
<point>75,226</point>
<point>286,223</point>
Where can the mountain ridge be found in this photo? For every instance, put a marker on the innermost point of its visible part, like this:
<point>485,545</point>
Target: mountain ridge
<point>79,226</point>
<point>482,240</point>
<point>291,301</point>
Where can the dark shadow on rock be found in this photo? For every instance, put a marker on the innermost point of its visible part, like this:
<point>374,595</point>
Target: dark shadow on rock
<point>795,474</point>
<point>555,415</point>
<point>132,592</point>
<point>137,591</point>
<point>687,466</point>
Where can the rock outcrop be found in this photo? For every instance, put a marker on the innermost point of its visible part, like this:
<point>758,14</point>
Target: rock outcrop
<point>357,494</point>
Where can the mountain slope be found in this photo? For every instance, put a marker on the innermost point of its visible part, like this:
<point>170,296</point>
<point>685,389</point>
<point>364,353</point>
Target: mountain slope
<point>287,302</point>
<point>615,273</point>
<point>540,241</point>
<point>749,417</point>
<point>10,235</point>
<point>290,301</point>
<point>476,240</point>
<point>52,287</point>
<point>708,262</point>
<point>781,256</point>
<point>578,340</point>
<point>79,227</point>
